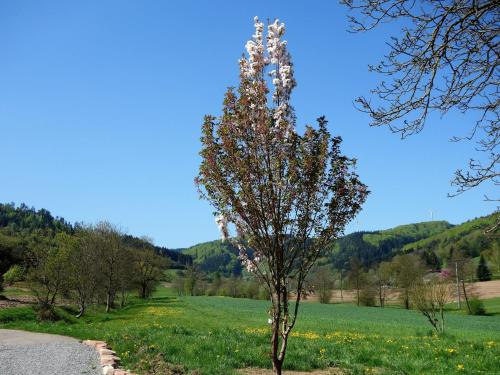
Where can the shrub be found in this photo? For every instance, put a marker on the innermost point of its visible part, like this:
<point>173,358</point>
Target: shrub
<point>483,273</point>
<point>45,313</point>
<point>476,307</point>
<point>367,296</point>
<point>14,274</point>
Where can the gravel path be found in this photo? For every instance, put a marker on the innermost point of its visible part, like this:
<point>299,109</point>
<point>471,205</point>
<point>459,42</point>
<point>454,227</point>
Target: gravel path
<point>27,353</point>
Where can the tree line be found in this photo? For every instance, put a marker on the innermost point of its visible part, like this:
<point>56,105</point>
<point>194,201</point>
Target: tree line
<point>405,275</point>
<point>193,281</point>
<point>95,265</point>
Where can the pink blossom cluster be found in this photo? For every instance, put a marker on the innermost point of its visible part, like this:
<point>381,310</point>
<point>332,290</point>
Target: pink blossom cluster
<point>445,274</point>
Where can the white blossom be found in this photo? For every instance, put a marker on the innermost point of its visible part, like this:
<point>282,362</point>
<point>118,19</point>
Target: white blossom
<point>221,221</point>
<point>255,50</point>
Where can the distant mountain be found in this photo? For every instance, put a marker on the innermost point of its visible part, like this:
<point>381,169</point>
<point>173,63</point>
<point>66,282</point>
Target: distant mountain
<point>432,240</point>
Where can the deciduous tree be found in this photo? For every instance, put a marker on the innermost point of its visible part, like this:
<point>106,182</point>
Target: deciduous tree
<point>288,195</point>
<point>322,281</point>
<point>407,270</point>
<point>356,277</point>
<point>148,268</point>
<point>110,250</point>
<point>381,276</point>
<point>493,256</point>
<point>445,58</point>
<point>49,267</point>
<point>462,269</point>
<point>84,277</point>
<point>430,297</point>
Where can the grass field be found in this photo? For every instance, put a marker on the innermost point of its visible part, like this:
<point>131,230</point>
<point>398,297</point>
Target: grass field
<point>217,335</point>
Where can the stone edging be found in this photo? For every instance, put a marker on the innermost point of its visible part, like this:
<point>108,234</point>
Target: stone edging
<point>109,360</point>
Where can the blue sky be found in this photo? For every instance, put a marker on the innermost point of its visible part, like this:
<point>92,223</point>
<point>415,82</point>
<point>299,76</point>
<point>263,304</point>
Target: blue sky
<point>101,105</point>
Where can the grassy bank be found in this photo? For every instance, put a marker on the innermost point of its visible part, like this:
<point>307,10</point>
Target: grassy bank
<point>216,335</point>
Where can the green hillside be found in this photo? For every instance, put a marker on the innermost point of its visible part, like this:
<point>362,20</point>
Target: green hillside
<point>471,237</point>
<point>405,233</point>
<point>374,247</point>
<point>369,247</point>
<point>432,240</point>
<point>21,226</point>
<point>216,256</point>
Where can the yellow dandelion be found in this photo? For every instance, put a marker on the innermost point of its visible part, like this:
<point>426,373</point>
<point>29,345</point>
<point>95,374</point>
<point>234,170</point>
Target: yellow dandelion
<point>460,367</point>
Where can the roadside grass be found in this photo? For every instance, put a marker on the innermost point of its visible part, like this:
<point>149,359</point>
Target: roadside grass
<point>217,335</point>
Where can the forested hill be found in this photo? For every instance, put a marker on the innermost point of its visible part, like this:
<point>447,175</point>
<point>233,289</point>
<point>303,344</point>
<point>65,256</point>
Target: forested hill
<point>20,224</point>
<point>472,238</point>
<point>216,256</point>
<point>24,220</point>
<point>432,240</point>
<point>376,246</point>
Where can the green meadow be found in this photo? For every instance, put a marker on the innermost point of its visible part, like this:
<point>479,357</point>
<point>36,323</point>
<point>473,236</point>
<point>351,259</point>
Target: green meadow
<point>218,335</point>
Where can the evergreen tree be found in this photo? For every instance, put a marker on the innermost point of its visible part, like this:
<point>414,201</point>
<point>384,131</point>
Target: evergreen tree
<point>483,272</point>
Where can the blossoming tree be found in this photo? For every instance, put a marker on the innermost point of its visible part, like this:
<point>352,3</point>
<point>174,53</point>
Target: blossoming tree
<point>288,195</point>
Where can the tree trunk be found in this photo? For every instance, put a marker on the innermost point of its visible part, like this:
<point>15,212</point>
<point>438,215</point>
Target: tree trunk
<point>108,302</point>
<point>407,300</point>
<point>122,302</point>
<point>465,296</point>
<point>381,299</point>
<point>277,364</point>
<point>441,310</point>
<point>277,367</point>
<point>275,340</point>
<point>341,286</point>
<point>81,310</point>
<point>458,287</point>
<point>357,293</point>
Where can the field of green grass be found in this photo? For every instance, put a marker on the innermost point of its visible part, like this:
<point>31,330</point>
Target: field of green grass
<point>217,335</point>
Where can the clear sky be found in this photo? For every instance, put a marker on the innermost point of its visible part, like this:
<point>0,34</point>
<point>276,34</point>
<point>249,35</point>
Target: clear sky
<point>101,104</point>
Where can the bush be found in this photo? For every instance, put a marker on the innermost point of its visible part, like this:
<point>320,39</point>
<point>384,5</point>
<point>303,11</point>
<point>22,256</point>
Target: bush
<point>45,313</point>
<point>324,295</point>
<point>14,274</point>
<point>367,297</point>
<point>264,294</point>
<point>476,307</point>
